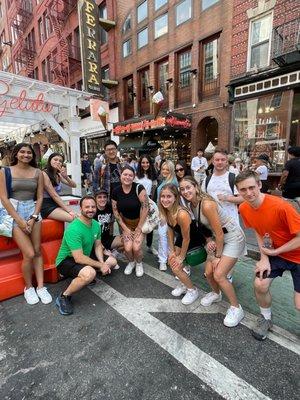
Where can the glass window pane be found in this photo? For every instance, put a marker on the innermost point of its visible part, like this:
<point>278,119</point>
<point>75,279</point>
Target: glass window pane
<point>127,24</point>
<point>159,3</point>
<point>261,30</point>
<point>211,60</point>
<point>143,38</point>
<point>161,26</point>
<point>183,11</point>
<point>208,3</point>
<point>142,11</point>
<point>127,48</point>
<point>163,73</point>
<point>260,55</point>
<point>184,69</point>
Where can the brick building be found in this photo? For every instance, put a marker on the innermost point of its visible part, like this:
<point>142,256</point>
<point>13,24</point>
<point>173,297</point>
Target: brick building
<point>182,48</point>
<point>265,79</point>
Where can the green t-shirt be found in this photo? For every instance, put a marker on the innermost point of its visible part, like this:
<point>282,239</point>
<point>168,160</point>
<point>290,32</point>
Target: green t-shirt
<point>77,236</point>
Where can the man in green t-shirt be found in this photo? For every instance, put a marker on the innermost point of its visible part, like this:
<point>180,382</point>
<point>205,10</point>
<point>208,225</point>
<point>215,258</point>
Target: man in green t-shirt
<point>81,253</point>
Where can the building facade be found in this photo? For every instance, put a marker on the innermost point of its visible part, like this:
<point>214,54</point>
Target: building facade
<point>265,80</point>
<point>181,48</point>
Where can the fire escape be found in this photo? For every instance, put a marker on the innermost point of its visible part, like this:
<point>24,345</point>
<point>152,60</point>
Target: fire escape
<point>23,52</point>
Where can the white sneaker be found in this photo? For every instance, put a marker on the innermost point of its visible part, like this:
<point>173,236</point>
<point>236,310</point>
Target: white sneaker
<point>44,295</point>
<point>163,266</point>
<point>129,268</point>
<point>209,298</point>
<point>152,250</point>
<point>31,296</point>
<point>139,270</point>
<point>179,290</point>
<point>234,316</point>
<point>191,296</point>
<point>187,270</point>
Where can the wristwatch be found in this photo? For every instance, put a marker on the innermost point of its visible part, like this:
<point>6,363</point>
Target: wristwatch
<point>35,217</point>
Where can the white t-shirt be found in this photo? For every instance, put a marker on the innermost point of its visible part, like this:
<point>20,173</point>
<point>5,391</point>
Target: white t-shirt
<point>220,185</point>
<point>199,162</point>
<point>146,182</point>
<point>262,171</point>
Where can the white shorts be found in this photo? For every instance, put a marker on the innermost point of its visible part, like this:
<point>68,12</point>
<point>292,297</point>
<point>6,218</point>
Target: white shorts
<point>235,244</point>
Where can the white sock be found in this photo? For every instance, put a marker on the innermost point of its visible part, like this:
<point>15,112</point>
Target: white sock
<point>266,312</point>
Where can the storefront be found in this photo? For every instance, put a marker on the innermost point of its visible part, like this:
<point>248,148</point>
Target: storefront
<point>266,116</point>
<point>171,133</point>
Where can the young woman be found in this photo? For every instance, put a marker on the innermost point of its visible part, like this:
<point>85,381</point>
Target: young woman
<point>146,176</point>
<point>183,236</point>
<point>130,207</point>
<point>167,173</point>
<point>261,169</point>
<point>229,245</point>
<point>27,183</point>
<point>55,174</point>
<point>180,170</point>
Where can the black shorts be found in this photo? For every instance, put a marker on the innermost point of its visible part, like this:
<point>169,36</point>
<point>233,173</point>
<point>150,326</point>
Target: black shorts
<point>70,269</point>
<point>107,241</point>
<point>48,206</point>
<point>279,265</point>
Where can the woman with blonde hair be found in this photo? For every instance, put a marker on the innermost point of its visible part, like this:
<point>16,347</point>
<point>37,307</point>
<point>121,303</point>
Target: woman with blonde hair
<point>183,235</point>
<point>168,176</point>
<point>229,244</point>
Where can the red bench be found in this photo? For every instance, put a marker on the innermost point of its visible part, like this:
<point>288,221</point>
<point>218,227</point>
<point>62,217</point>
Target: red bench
<point>11,278</point>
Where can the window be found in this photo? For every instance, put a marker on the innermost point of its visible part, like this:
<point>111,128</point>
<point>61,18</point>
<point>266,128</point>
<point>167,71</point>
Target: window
<point>185,60</point>
<point>163,75</point>
<point>127,48</point>
<point>144,93</point>
<point>48,26</point>
<point>105,75</point>
<point>210,62</point>
<point>103,14</point>
<point>161,26</point>
<point>142,38</point>
<point>127,24</point>
<point>30,41</point>
<point>260,34</point>
<point>41,31</point>
<point>128,97</point>
<point>159,3</point>
<point>208,3</point>
<point>142,11</point>
<point>47,73</point>
<point>183,11</point>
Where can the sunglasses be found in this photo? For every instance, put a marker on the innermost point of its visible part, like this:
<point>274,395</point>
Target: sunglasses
<point>179,169</point>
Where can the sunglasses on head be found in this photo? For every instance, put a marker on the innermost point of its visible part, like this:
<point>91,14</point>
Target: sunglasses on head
<point>179,169</point>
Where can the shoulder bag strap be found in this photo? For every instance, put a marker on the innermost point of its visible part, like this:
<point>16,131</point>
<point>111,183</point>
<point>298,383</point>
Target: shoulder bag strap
<point>8,181</point>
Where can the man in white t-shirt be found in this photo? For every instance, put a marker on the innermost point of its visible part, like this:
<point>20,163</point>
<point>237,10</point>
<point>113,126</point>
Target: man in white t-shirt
<point>198,166</point>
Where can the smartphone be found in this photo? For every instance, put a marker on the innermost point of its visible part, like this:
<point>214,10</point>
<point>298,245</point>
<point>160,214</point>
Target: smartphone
<point>265,274</point>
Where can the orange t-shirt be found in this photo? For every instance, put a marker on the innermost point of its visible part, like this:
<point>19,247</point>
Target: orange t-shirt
<point>276,217</point>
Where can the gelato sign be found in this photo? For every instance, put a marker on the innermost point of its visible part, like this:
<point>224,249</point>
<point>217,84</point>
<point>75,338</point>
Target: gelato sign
<point>90,45</point>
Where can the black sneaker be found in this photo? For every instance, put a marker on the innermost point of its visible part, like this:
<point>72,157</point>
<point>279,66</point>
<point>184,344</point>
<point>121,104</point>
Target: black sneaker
<point>64,304</point>
<point>261,328</point>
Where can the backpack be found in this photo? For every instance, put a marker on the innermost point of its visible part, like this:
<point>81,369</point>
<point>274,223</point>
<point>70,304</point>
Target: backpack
<point>231,180</point>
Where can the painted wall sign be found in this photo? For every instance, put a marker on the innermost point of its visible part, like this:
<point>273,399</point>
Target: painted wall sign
<point>23,103</point>
<point>90,45</point>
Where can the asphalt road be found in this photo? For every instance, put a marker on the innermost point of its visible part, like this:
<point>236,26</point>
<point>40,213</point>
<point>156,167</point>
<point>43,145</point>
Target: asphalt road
<point>130,339</point>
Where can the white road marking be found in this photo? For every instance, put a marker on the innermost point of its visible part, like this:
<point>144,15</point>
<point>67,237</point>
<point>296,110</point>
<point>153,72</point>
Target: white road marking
<point>207,369</point>
<point>277,335</point>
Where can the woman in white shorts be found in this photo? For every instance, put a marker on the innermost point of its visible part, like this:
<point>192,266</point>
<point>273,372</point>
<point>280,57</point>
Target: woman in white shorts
<point>228,245</point>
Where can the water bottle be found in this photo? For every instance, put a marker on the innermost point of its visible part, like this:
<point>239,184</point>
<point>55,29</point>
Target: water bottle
<point>267,241</point>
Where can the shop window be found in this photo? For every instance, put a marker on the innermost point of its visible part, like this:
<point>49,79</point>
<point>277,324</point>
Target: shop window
<point>127,48</point>
<point>208,3</point>
<point>209,77</point>
<point>259,45</point>
<point>260,126</point>
<point>104,89</point>
<point>184,94</point>
<point>127,24</point>
<point>142,11</point>
<point>183,11</point>
<point>103,14</point>
<point>142,38</point>
<point>144,92</point>
<point>161,26</point>
<point>128,97</point>
<point>159,3</point>
<point>163,86</point>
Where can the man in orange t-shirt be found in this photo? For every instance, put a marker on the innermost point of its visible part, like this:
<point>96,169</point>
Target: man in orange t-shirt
<point>277,228</point>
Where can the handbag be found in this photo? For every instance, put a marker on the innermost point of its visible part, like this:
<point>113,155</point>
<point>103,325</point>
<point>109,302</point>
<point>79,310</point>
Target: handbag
<point>152,219</point>
<point>6,220</point>
<point>196,256</point>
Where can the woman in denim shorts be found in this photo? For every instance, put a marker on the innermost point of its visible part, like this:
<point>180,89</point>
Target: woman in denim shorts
<point>27,184</point>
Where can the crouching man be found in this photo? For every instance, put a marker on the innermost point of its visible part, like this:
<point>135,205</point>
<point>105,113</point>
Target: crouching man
<point>277,227</point>
<point>81,254</point>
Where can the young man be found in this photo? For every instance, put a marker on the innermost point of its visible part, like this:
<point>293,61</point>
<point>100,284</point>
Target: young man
<point>86,170</point>
<point>277,228</point>
<point>111,171</point>
<point>199,165</point>
<point>81,253</point>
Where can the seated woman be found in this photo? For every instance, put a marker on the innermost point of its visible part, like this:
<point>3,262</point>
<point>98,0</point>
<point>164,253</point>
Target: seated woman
<point>130,207</point>
<point>53,207</point>
<point>229,245</point>
<point>183,235</point>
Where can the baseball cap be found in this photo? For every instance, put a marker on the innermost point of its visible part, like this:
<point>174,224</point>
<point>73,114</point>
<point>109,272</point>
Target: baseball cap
<point>101,191</point>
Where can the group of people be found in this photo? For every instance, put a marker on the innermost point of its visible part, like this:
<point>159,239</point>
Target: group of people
<point>199,211</point>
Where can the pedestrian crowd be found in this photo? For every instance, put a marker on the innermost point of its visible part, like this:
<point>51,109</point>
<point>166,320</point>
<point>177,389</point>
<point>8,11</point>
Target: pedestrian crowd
<point>196,214</point>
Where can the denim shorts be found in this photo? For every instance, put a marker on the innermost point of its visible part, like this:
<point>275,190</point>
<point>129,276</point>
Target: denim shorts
<point>25,209</point>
